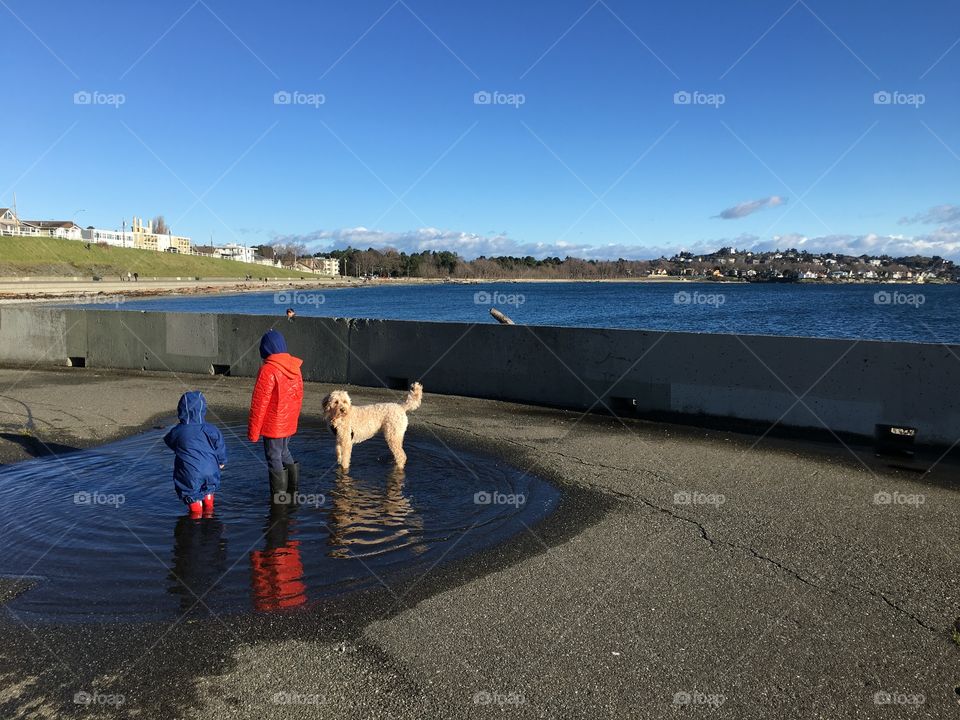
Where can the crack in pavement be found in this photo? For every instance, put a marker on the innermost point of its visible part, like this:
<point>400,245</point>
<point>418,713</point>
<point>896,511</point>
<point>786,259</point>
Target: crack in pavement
<point>701,529</point>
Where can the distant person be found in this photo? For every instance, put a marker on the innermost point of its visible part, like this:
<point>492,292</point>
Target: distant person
<point>136,277</point>
<point>128,276</point>
<point>275,411</point>
<point>200,454</point>
<point>291,314</point>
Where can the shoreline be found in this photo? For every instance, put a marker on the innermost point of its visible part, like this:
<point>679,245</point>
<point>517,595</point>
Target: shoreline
<point>83,291</point>
<point>100,292</point>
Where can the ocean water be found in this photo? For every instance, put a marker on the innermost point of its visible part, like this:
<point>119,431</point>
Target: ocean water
<point>916,313</point>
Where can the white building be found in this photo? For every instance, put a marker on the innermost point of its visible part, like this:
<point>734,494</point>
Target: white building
<point>329,266</point>
<point>116,238</point>
<point>232,251</point>
<point>65,229</point>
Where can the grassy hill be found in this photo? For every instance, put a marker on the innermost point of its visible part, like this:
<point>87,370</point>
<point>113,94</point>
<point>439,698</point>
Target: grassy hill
<point>51,256</point>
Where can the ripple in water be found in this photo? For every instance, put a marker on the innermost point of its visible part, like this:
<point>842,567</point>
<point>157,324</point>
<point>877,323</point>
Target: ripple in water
<point>103,537</point>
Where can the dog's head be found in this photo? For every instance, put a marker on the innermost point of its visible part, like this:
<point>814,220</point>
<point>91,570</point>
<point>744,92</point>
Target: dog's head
<point>337,404</point>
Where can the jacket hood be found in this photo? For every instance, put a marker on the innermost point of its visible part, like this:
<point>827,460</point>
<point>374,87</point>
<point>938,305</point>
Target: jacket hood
<point>192,407</point>
<point>286,363</point>
<point>271,343</point>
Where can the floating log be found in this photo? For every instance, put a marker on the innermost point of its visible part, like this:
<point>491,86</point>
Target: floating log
<point>501,318</point>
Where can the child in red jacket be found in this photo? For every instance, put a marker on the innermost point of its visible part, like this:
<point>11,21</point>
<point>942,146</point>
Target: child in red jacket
<point>274,412</point>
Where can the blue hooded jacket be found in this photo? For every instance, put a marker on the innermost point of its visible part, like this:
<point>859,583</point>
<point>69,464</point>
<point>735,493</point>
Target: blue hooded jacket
<point>271,343</point>
<point>199,447</point>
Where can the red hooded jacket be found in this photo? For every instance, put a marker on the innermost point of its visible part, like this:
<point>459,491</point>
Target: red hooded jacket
<point>277,398</point>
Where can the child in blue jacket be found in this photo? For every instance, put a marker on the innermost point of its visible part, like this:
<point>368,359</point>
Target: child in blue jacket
<point>201,454</point>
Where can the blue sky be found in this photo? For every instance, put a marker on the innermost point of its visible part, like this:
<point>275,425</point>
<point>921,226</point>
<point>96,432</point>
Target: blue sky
<point>584,148</point>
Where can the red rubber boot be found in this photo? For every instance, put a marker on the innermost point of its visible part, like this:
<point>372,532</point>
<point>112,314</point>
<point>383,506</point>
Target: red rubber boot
<point>208,505</point>
<point>196,510</point>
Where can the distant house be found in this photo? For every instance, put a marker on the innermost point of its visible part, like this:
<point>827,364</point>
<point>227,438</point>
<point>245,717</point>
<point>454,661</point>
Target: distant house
<point>66,229</point>
<point>232,251</point>
<point>8,222</point>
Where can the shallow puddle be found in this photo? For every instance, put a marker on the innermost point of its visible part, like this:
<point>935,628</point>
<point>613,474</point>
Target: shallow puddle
<point>102,536</point>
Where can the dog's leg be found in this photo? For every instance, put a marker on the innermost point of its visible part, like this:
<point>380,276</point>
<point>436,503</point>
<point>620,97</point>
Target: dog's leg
<point>395,443</point>
<point>343,447</point>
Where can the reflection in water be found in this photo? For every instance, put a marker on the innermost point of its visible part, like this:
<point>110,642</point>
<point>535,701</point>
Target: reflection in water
<point>369,518</point>
<point>276,572</point>
<point>362,527</point>
<point>199,559</point>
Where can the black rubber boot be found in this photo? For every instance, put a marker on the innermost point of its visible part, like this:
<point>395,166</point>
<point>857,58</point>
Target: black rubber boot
<point>278,487</point>
<point>293,477</point>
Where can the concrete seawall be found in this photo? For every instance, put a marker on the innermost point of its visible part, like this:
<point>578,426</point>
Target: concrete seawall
<point>836,386</point>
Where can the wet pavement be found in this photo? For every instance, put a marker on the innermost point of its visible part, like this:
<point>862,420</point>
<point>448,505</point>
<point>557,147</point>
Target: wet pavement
<point>683,571</point>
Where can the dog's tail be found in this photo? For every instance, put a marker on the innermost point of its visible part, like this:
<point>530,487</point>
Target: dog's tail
<point>414,397</point>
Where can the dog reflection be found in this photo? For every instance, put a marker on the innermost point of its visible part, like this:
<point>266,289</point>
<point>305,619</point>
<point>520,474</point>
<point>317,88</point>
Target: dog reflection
<point>199,559</point>
<point>276,572</point>
<point>367,518</point>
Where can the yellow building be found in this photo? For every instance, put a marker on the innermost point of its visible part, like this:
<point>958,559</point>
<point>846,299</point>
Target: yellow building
<point>145,238</point>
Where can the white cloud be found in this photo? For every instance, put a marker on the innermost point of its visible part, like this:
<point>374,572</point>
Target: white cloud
<point>465,244</point>
<point>750,207</point>
<point>937,215</point>
<point>942,241</point>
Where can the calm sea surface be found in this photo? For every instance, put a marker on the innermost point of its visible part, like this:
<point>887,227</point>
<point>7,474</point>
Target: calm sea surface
<point>919,313</point>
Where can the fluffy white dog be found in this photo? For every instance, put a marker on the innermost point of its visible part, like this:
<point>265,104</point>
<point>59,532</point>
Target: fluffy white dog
<point>354,424</point>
